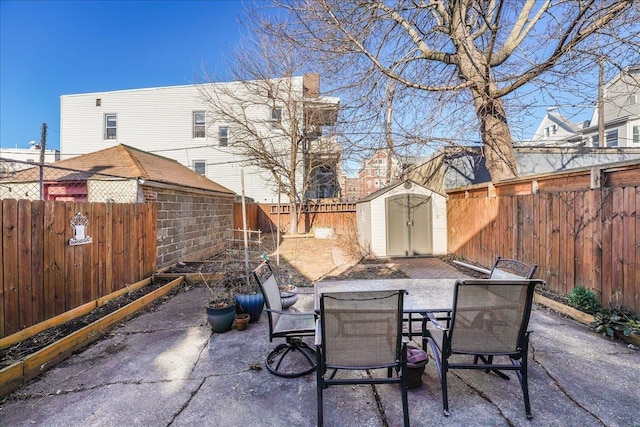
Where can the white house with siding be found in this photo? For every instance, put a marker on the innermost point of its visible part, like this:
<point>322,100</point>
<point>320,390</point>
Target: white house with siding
<point>176,122</point>
<point>621,105</point>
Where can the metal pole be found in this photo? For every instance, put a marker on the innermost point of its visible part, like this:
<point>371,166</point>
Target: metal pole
<point>43,143</point>
<point>278,228</point>
<point>244,226</point>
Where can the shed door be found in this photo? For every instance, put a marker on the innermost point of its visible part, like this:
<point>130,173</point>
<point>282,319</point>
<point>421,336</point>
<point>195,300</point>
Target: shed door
<point>409,225</point>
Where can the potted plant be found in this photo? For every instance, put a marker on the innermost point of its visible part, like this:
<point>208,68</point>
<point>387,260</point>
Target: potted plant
<point>221,309</point>
<point>248,298</point>
<point>241,321</point>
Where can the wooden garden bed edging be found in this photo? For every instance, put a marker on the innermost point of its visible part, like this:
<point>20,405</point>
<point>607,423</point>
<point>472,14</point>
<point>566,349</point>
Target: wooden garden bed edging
<point>578,315</point>
<point>81,310</point>
<point>33,365</point>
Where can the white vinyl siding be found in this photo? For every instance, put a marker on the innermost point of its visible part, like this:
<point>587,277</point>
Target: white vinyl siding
<point>160,121</point>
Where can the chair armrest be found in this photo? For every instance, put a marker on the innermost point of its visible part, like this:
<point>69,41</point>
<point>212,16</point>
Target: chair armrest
<point>318,338</point>
<point>293,313</point>
<point>436,320</point>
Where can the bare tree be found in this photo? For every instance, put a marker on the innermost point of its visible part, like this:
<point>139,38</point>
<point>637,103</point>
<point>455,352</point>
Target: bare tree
<point>472,54</point>
<point>274,117</point>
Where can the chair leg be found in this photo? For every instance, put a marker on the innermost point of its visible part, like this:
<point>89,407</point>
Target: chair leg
<point>405,399</point>
<point>319,386</point>
<point>441,367</point>
<point>445,396</point>
<point>524,383</point>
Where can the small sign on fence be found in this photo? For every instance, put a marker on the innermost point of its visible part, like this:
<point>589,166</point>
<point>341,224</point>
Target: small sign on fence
<point>79,224</point>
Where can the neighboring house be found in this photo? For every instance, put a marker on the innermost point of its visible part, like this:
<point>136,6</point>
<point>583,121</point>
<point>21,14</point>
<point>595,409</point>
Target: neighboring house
<point>454,167</point>
<point>195,214</point>
<point>176,122</point>
<point>350,188</point>
<point>621,103</point>
<point>553,130</point>
<point>30,155</point>
<point>621,113</point>
<point>556,145</point>
<point>374,173</point>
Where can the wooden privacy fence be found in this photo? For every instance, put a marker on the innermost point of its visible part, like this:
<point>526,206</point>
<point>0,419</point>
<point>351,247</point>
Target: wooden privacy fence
<point>339,216</point>
<point>42,275</point>
<point>576,235</point>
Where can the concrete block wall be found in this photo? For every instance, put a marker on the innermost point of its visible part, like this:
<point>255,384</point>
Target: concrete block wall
<point>191,226</point>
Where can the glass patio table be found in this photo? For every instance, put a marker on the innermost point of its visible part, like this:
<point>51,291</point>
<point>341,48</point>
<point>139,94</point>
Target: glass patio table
<point>423,295</point>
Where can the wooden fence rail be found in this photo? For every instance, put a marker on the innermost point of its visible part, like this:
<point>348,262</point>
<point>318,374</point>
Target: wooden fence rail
<point>42,275</point>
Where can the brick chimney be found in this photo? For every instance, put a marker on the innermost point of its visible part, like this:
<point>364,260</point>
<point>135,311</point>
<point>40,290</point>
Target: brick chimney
<point>311,85</point>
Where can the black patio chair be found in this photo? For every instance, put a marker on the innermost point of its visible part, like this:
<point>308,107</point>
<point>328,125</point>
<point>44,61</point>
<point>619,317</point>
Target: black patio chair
<point>361,331</point>
<point>512,269</point>
<point>290,325</point>
<point>489,319</point>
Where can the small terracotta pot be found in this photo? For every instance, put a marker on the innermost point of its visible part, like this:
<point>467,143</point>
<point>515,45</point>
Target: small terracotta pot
<point>241,321</point>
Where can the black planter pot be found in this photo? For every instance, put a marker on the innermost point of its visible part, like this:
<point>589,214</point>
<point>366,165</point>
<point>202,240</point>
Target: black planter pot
<point>252,304</point>
<point>221,319</point>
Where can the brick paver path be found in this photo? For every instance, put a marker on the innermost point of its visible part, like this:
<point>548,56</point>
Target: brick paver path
<point>427,268</point>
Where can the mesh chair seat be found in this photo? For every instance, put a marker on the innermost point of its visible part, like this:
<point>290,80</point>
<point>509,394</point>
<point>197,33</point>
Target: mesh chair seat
<point>297,325</point>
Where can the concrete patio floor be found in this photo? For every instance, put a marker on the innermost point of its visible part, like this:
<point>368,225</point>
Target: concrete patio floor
<point>166,368</point>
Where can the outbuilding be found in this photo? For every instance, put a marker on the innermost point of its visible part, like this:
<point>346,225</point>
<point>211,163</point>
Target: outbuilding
<point>403,219</point>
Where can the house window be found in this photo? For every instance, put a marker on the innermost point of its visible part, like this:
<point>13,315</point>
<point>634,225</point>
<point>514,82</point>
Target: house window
<point>199,129</point>
<point>633,99</point>
<point>595,142</point>
<point>612,138</point>
<point>200,166</point>
<point>223,136</point>
<point>276,117</point>
<point>636,134</point>
<point>110,126</point>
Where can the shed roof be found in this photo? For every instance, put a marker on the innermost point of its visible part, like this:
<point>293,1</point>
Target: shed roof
<point>390,187</point>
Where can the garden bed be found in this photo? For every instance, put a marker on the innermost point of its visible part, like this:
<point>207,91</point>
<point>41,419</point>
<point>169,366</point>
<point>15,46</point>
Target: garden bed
<point>26,354</point>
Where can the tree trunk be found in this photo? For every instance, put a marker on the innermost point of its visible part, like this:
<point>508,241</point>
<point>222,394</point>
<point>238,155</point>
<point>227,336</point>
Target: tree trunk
<point>496,138</point>
<point>494,130</point>
<point>293,217</point>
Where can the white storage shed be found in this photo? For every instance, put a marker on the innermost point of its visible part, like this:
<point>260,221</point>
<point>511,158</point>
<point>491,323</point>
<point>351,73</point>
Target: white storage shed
<point>403,219</point>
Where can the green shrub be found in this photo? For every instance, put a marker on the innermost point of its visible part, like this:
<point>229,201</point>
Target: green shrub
<point>615,318</point>
<point>583,299</point>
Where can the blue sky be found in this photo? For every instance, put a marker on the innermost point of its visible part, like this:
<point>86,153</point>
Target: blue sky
<point>54,48</point>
